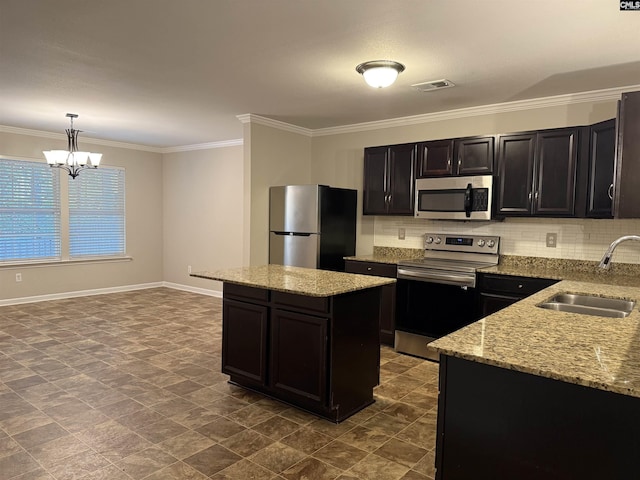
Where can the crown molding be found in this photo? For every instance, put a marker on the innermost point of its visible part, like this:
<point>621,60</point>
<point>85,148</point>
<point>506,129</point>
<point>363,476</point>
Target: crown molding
<point>269,122</point>
<point>517,105</point>
<point>93,141</point>
<point>204,146</point>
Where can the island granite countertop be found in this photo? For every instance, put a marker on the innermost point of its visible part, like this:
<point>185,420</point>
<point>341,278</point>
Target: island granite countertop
<point>297,280</point>
<point>597,352</point>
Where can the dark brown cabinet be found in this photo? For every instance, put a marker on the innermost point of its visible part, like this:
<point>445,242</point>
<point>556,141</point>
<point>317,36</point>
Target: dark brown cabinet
<point>321,354</point>
<point>496,292</point>
<point>627,170</point>
<point>389,180</point>
<point>388,295</point>
<point>435,158</point>
<point>462,156</point>
<point>537,173</point>
<point>602,146</point>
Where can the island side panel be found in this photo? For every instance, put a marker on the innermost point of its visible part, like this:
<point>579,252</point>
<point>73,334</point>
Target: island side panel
<point>503,424</point>
<point>355,349</point>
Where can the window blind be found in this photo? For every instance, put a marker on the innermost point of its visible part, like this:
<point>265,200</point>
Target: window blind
<point>96,213</point>
<point>29,211</point>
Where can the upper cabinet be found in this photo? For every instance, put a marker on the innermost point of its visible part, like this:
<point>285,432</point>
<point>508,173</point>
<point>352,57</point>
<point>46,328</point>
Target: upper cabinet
<point>389,180</point>
<point>626,203</point>
<point>462,156</point>
<point>537,173</point>
<point>601,152</point>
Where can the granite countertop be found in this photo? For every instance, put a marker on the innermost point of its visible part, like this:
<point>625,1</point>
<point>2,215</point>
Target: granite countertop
<point>596,352</point>
<point>301,281</point>
<point>388,255</point>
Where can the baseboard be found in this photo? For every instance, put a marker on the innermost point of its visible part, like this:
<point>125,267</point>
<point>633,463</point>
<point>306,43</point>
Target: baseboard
<point>79,293</point>
<point>189,288</point>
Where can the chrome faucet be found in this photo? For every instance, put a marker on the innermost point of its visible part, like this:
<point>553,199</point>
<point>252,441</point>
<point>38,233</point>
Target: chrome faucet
<point>606,258</point>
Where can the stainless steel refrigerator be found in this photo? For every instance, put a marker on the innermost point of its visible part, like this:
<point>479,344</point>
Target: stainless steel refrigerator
<point>312,226</point>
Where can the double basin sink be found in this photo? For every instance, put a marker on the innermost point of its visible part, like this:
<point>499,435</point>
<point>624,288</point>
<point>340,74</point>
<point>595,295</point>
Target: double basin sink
<point>589,305</point>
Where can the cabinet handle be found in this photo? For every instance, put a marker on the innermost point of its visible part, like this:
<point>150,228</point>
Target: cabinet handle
<point>368,269</point>
<point>459,161</point>
<point>610,192</point>
<point>529,196</point>
<point>536,195</point>
<point>519,285</point>
<point>390,197</point>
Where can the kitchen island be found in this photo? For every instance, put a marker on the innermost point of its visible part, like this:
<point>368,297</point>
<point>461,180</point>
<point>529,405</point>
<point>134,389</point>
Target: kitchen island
<point>304,336</point>
<point>531,393</point>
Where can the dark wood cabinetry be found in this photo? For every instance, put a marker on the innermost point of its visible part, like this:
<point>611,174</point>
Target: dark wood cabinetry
<point>321,354</point>
<point>626,203</point>
<point>537,173</point>
<point>496,292</point>
<point>602,146</point>
<point>500,423</point>
<point>389,180</point>
<point>461,156</point>
<point>435,158</point>
<point>388,295</point>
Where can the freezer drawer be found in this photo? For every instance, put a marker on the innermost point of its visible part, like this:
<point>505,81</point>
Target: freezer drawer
<point>297,250</point>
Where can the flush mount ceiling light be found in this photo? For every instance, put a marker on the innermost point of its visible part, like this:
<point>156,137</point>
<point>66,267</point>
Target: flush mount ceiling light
<point>71,159</point>
<point>380,73</point>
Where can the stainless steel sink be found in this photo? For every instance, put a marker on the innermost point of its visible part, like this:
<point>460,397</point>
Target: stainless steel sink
<point>590,305</point>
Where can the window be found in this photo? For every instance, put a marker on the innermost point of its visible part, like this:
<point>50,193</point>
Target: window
<point>35,200</point>
<point>29,211</point>
<point>96,213</point>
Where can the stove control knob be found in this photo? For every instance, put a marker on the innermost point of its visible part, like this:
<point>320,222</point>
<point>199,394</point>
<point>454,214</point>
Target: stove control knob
<point>491,243</point>
<point>481,243</point>
<point>438,240</point>
<point>429,240</point>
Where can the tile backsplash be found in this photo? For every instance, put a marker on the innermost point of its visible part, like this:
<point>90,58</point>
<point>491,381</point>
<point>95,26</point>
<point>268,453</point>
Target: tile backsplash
<point>579,239</point>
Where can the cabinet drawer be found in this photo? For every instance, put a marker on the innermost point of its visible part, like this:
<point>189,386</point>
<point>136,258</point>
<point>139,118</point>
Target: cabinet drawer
<point>519,286</point>
<point>313,305</point>
<point>242,292</point>
<point>372,268</point>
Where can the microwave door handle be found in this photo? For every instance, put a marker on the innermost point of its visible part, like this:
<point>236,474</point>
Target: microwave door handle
<point>468,200</point>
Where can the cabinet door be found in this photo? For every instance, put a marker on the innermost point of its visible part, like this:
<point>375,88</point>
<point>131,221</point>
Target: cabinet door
<point>602,146</point>
<point>401,193</point>
<point>298,363</point>
<point>244,340</point>
<point>435,158</point>
<point>375,181</point>
<point>627,169</point>
<point>491,303</point>
<point>474,155</point>
<point>515,170</point>
<point>556,163</point>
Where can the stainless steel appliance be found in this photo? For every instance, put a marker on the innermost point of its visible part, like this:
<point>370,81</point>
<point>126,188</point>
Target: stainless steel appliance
<point>312,226</point>
<point>436,294</point>
<point>454,198</point>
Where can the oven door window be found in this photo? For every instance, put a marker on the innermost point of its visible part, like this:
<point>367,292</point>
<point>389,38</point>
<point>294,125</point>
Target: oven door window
<point>433,309</point>
<point>451,200</point>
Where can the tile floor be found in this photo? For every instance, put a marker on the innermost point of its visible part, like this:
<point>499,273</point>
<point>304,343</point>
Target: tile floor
<point>128,386</point>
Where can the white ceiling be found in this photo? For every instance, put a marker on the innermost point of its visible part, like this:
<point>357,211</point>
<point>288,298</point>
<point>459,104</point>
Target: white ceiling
<point>166,73</point>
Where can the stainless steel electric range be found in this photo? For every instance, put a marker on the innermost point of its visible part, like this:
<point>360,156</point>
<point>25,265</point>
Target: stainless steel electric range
<point>436,294</point>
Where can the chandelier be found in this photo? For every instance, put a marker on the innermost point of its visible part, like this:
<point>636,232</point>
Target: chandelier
<point>71,159</point>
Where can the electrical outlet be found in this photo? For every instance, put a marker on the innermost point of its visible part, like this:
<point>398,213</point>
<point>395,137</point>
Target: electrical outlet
<point>18,277</point>
<point>401,233</point>
<point>189,269</point>
<point>552,240</point>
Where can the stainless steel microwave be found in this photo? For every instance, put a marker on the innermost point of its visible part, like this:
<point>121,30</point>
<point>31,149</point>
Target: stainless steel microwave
<point>454,198</point>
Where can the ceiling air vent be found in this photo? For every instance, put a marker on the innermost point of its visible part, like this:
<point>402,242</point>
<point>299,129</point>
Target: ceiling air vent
<point>433,85</point>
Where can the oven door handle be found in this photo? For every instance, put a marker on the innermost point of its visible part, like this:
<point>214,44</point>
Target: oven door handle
<point>438,277</point>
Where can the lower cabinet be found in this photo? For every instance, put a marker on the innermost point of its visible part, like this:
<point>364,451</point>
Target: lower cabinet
<point>321,354</point>
<point>496,292</point>
<point>388,300</point>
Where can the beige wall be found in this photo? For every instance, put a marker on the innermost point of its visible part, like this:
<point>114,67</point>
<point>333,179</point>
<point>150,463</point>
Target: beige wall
<point>276,157</point>
<point>203,208</point>
<point>143,226</point>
